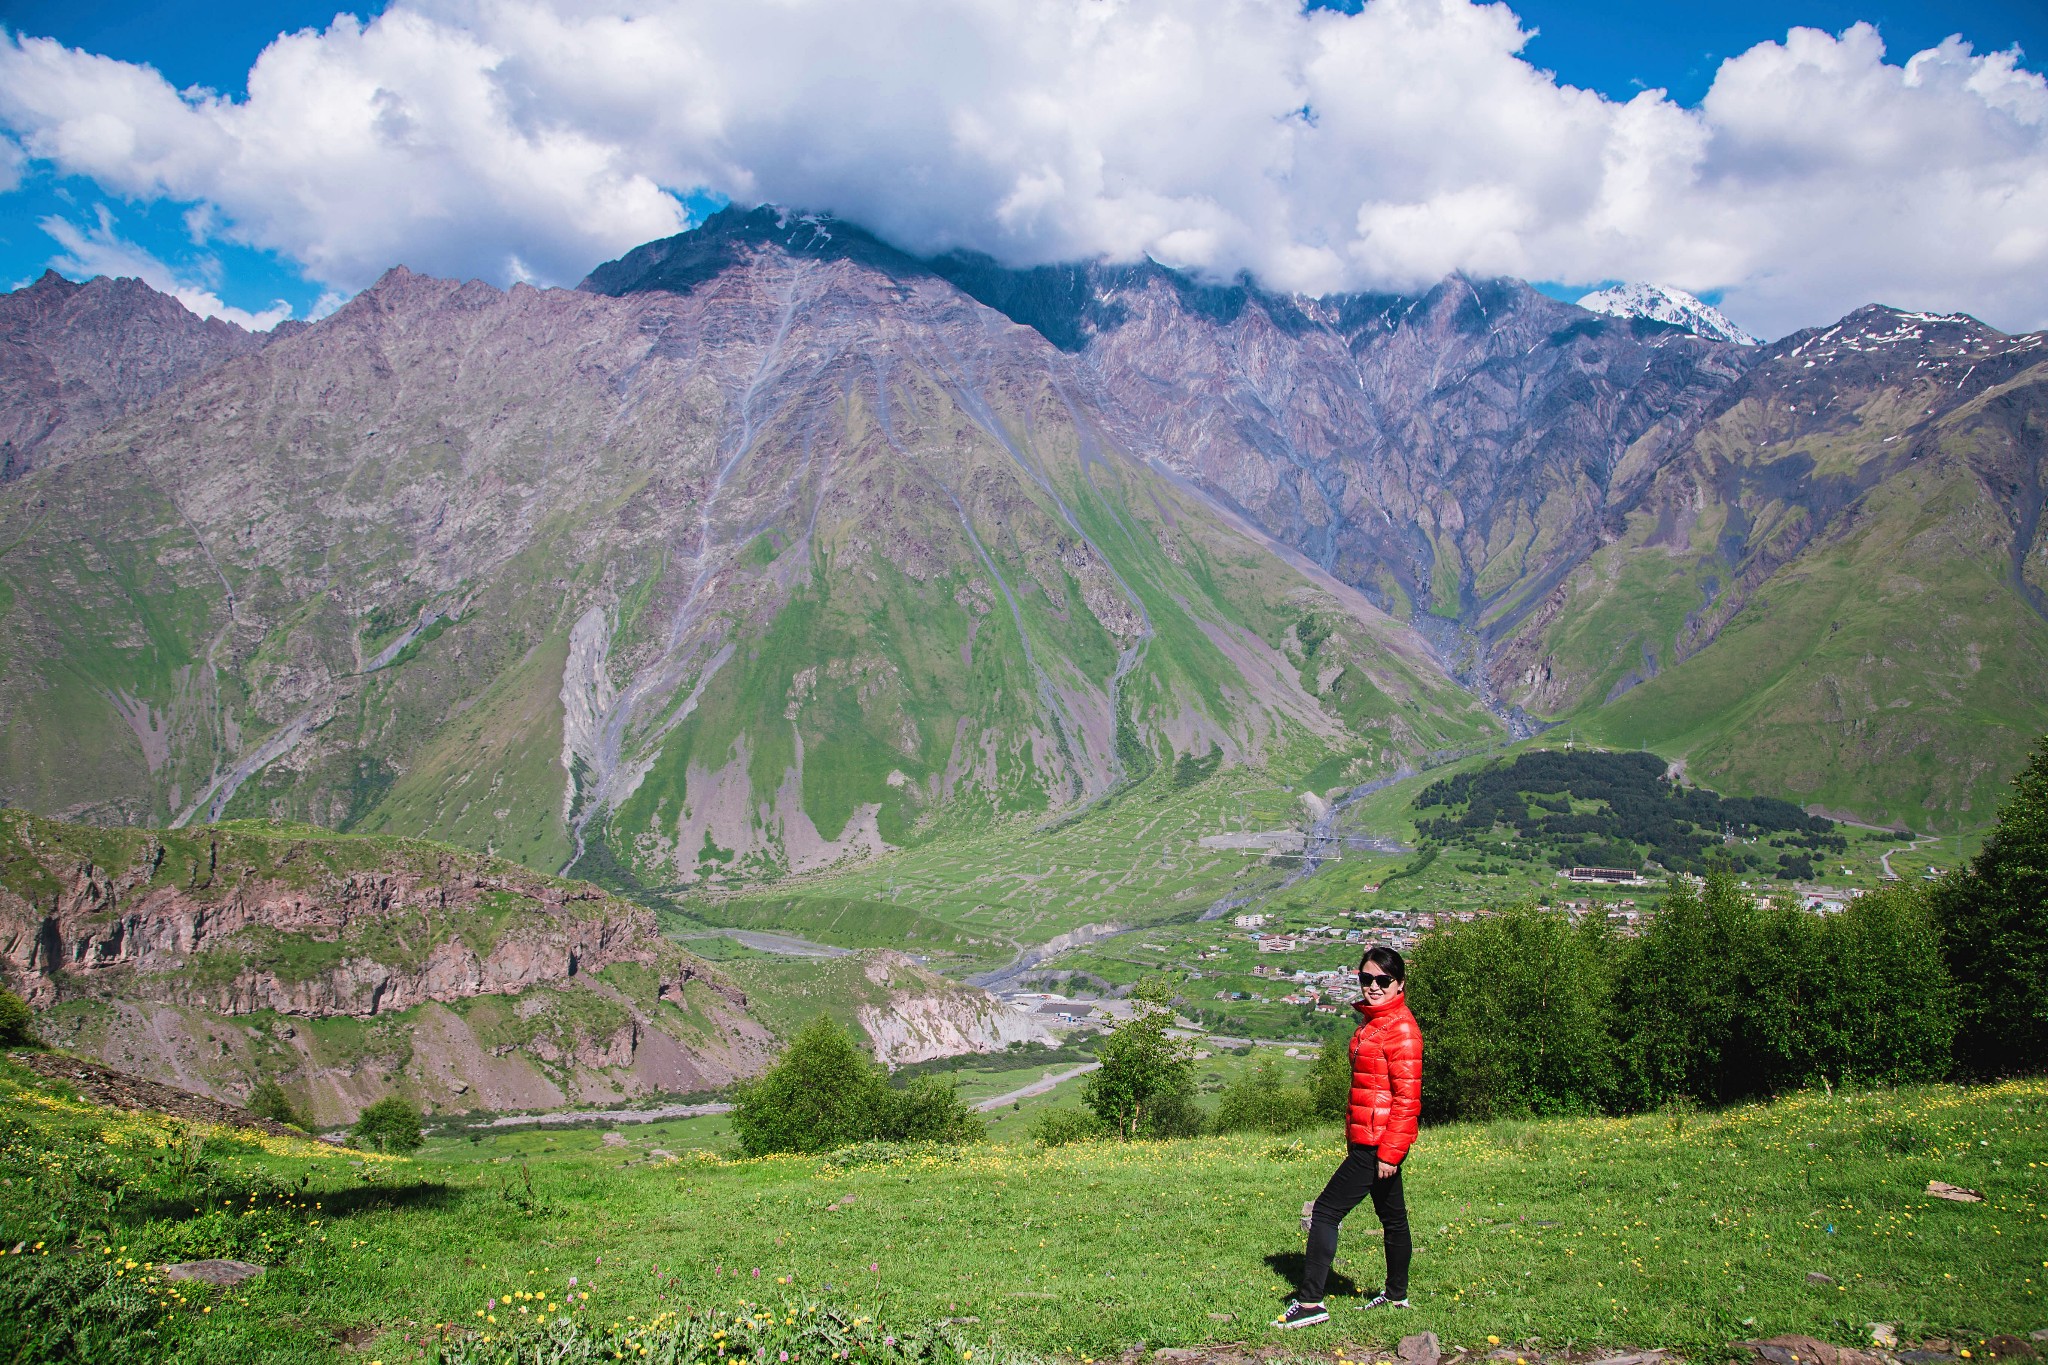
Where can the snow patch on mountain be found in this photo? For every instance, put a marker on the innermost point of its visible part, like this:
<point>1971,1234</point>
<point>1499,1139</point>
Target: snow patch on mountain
<point>1660,303</point>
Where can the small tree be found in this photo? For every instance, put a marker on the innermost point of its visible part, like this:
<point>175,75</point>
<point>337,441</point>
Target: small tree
<point>17,1023</point>
<point>268,1101</point>
<point>1993,920</point>
<point>389,1125</point>
<point>825,1093</point>
<point>1882,1007</point>
<point>1146,1084</point>
<point>1706,1003</point>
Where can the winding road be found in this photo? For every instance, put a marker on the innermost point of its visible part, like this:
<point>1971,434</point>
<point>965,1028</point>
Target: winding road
<point>1037,1087</point>
<point>1885,858</point>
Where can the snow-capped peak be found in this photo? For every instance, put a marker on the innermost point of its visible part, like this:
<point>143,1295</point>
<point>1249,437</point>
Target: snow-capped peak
<point>1661,303</point>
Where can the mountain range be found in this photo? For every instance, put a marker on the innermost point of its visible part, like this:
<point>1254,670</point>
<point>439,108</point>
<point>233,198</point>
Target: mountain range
<point>772,546</point>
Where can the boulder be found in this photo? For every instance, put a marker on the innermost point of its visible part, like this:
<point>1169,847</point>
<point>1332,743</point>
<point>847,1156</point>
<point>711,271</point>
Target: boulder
<point>1422,1348</point>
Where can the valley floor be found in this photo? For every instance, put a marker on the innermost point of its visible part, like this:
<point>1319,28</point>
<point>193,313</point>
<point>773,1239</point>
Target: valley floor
<point>1676,1230</point>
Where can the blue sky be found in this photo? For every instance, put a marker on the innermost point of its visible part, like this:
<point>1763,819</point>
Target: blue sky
<point>71,221</point>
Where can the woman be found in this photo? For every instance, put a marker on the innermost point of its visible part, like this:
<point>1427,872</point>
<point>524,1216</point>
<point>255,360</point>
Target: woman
<point>1386,1100</point>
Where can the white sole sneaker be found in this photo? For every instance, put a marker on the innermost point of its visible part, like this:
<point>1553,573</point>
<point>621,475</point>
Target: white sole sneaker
<point>1299,1316</point>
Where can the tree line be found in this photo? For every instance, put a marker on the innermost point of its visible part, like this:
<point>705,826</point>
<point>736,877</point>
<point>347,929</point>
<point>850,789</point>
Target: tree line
<point>1634,808</point>
<point>1722,998</point>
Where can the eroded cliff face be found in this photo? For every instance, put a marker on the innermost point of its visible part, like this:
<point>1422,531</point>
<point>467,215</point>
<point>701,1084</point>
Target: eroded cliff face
<point>353,968</point>
<point>925,1016</point>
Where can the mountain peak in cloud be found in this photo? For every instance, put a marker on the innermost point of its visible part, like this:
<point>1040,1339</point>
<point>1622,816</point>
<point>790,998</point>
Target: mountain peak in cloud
<point>1662,303</point>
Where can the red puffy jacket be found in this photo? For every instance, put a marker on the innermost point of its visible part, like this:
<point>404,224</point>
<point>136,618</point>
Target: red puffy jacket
<point>1386,1079</point>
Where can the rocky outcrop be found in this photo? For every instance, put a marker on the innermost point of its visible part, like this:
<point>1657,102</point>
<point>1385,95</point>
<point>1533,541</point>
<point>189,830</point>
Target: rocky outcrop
<point>353,968</point>
<point>355,943</point>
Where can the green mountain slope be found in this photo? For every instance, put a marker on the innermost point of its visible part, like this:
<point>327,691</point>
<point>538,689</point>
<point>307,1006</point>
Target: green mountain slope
<point>1833,596</point>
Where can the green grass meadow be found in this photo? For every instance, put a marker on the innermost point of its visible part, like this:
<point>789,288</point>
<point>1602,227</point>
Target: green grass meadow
<point>1679,1229</point>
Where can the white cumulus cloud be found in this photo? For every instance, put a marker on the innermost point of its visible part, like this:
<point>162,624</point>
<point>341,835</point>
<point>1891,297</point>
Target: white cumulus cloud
<point>529,139</point>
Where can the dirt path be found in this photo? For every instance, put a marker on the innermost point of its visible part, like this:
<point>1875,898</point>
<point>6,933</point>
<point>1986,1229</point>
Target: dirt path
<point>561,1116</point>
<point>1885,858</point>
<point>1037,1087</point>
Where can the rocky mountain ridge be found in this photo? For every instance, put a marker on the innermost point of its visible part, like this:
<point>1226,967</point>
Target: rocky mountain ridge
<point>75,358</point>
<point>775,547</point>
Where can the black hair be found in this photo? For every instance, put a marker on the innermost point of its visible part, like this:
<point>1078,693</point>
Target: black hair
<point>1386,959</point>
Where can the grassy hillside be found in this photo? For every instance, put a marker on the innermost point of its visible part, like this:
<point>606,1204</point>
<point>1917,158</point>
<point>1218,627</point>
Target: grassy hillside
<point>971,903</point>
<point>1683,1231</point>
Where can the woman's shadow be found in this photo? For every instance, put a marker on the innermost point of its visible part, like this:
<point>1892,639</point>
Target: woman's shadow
<point>1288,1265</point>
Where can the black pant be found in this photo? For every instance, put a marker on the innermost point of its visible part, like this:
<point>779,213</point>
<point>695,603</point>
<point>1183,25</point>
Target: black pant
<point>1354,1180</point>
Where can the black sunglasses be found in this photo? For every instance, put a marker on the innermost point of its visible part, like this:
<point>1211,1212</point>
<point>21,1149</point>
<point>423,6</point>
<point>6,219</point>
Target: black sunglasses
<point>1368,981</point>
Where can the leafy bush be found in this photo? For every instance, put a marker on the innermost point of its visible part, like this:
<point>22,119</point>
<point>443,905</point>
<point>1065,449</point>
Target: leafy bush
<point>58,1307</point>
<point>572,1335</point>
<point>1062,1126</point>
<point>1513,1008</point>
<point>1880,1005</point>
<point>1721,998</point>
<point>389,1125</point>
<point>1993,920</point>
<point>1707,1002</point>
<point>825,1093</point>
<point>17,1022</point>
<point>928,1109</point>
<point>1259,1100</point>
<point>1146,1085</point>
<point>1329,1080</point>
<point>268,1101</point>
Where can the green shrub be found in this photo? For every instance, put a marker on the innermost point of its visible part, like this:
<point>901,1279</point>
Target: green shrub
<point>1993,921</point>
<point>268,1101</point>
<point>1259,1100</point>
<point>389,1125</point>
<point>929,1109</point>
<point>790,1330</point>
<point>1708,1001</point>
<point>1513,1008</point>
<point>17,1022</point>
<point>1329,1080</point>
<point>824,1093</point>
<point>1880,1006</point>
<point>1059,1127</point>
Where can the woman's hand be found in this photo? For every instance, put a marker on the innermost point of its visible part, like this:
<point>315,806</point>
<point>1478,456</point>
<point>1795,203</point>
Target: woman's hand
<point>1388,1170</point>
